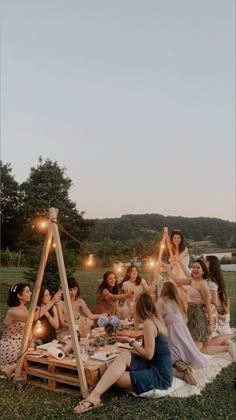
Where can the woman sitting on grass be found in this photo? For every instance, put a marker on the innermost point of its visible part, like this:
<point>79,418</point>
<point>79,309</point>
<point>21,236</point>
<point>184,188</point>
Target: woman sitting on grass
<point>18,296</point>
<point>107,295</point>
<point>148,367</point>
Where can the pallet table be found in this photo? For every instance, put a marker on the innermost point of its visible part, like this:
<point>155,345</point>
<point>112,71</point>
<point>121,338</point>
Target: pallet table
<point>61,375</point>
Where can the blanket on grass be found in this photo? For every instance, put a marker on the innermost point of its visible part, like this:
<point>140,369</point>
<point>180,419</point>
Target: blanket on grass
<point>203,376</point>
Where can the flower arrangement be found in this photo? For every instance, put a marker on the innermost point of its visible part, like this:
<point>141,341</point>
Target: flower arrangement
<point>111,324</point>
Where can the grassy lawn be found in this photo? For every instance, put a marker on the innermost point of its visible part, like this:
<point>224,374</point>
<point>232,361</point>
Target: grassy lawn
<point>215,402</point>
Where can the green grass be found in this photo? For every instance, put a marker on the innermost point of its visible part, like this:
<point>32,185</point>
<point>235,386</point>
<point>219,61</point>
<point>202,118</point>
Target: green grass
<point>215,402</point>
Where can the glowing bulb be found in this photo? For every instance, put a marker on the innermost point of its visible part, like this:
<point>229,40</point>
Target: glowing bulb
<point>38,326</point>
<point>90,260</point>
<point>162,246</point>
<point>151,263</point>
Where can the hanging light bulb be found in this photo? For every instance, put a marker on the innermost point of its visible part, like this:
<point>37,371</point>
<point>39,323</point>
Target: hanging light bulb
<point>38,326</point>
<point>90,259</point>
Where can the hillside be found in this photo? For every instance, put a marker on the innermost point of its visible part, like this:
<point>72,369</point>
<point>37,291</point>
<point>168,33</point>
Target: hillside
<point>150,226</point>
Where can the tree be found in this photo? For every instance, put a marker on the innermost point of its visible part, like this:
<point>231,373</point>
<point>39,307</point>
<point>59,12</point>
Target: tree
<point>10,207</point>
<point>48,186</point>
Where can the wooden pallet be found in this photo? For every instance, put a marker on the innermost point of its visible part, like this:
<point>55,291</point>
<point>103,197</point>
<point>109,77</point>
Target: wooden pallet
<point>61,375</point>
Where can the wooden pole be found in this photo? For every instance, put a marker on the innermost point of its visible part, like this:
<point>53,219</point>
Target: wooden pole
<point>161,250</point>
<point>67,301</point>
<point>34,300</point>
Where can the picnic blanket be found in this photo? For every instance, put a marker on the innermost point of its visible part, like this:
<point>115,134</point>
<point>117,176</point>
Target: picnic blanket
<point>203,376</point>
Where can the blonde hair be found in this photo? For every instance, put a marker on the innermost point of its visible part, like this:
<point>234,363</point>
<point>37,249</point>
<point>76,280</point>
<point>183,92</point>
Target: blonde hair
<point>169,291</point>
<point>145,308</point>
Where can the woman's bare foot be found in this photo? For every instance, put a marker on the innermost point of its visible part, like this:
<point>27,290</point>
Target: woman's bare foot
<point>7,370</point>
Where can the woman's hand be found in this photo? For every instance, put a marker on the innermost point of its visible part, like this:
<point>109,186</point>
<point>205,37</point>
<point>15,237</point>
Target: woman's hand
<point>129,295</point>
<point>57,297</point>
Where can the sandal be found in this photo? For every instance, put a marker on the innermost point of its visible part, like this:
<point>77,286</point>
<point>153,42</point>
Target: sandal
<point>85,405</point>
<point>187,371</point>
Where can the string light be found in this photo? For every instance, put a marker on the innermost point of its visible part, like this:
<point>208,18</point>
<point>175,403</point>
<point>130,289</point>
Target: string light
<point>38,326</point>
<point>90,260</point>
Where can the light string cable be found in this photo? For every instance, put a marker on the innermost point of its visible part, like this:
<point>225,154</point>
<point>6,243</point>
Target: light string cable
<point>142,256</point>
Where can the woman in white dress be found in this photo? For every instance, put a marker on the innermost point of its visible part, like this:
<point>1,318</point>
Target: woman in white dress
<point>135,284</point>
<point>219,295</point>
<point>179,256</point>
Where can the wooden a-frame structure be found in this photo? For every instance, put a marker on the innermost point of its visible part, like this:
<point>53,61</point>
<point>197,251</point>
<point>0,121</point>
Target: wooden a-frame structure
<point>53,234</point>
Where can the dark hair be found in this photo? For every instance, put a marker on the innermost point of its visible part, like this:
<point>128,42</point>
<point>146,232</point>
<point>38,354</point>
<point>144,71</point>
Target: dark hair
<point>41,295</point>
<point>127,276</point>
<point>182,245</point>
<point>204,268</point>
<point>104,285</point>
<point>216,275</point>
<point>16,289</point>
<point>72,282</point>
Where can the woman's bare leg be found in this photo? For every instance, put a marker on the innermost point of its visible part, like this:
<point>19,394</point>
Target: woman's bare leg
<point>211,349</point>
<point>110,377</point>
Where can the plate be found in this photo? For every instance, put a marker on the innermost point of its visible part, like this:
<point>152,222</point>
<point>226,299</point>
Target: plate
<point>103,356</point>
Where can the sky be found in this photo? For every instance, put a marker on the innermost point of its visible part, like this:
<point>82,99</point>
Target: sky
<point>135,98</point>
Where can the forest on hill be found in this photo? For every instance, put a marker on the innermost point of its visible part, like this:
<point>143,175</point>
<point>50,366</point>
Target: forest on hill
<point>148,227</point>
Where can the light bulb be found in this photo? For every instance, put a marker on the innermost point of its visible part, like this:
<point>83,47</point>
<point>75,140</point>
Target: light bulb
<point>38,326</point>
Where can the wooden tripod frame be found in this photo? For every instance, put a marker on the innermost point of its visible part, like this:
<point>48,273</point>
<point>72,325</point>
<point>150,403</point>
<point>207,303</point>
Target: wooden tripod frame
<point>53,233</point>
<point>159,260</point>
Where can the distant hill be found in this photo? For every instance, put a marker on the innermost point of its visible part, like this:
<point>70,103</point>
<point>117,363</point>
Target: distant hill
<point>150,226</point>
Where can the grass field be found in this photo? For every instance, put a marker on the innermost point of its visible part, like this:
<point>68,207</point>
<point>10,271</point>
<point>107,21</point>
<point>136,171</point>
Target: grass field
<point>215,402</point>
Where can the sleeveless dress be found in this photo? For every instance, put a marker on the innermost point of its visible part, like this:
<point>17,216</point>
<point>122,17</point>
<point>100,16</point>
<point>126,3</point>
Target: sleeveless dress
<point>181,344</point>
<point>196,317</point>
<point>10,343</point>
<point>146,374</point>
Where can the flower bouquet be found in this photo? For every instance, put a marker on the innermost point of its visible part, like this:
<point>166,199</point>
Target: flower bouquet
<point>111,324</point>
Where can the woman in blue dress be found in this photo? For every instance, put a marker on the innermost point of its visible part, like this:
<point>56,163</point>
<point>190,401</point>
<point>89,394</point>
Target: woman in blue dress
<point>147,367</point>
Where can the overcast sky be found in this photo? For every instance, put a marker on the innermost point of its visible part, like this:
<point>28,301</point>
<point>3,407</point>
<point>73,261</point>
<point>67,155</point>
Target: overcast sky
<point>136,98</point>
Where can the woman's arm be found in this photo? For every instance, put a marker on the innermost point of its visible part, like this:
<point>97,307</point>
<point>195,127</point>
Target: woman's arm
<point>147,351</point>
<point>87,311</point>
<point>110,296</point>
<point>146,286</point>
<point>53,319</point>
<point>61,312</point>
<point>45,308</point>
<point>175,278</point>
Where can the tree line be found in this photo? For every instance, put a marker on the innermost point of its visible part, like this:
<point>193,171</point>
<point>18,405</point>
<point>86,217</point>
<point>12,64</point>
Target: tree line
<point>118,239</point>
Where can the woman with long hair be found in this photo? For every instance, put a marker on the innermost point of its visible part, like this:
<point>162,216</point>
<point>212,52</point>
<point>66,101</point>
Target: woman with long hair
<point>219,295</point>
<point>18,296</point>
<point>149,367</point>
<point>181,344</point>
<point>49,321</point>
<point>133,283</point>
<point>108,295</point>
<point>179,257</point>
